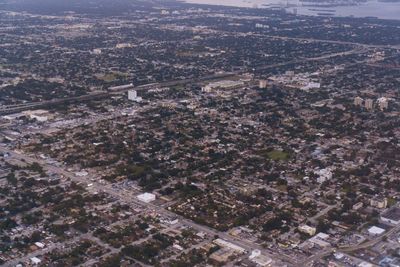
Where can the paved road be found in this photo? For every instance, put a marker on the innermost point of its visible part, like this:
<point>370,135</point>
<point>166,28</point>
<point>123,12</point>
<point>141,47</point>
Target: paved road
<point>313,40</point>
<point>303,60</point>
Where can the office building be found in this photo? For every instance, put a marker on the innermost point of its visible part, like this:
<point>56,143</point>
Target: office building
<point>383,103</point>
<point>263,84</point>
<point>358,101</point>
<point>369,104</point>
<point>132,95</point>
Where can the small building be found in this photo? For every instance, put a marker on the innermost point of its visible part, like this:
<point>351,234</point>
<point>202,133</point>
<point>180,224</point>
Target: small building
<point>146,197</point>
<point>81,174</point>
<point>323,175</point>
<point>178,247</point>
<point>383,103</point>
<point>358,101</point>
<point>35,261</point>
<point>338,255</point>
<point>173,222</point>
<point>39,245</point>
<point>259,259</point>
<point>289,73</point>
<point>164,12</point>
<point>369,104</point>
<point>222,243</point>
<point>374,230</point>
<point>39,115</point>
<point>311,85</point>
<point>97,51</point>
<point>320,240</point>
<point>123,45</point>
<point>365,264</point>
<point>263,84</point>
<point>357,206</point>
<point>222,255</point>
<point>307,229</point>
<point>379,202</point>
<point>390,262</point>
<point>13,117</point>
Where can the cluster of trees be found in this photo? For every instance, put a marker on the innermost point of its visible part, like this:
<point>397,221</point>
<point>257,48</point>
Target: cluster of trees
<point>186,190</point>
<point>349,218</point>
<point>149,251</point>
<point>192,258</point>
<point>33,90</point>
<point>7,224</point>
<point>111,261</point>
<point>122,236</point>
<point>20,243</point>
<point>279,222</point>
<point>73,257</point>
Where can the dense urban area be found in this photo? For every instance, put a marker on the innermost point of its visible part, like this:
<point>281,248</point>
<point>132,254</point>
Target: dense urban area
<point>159,133</point>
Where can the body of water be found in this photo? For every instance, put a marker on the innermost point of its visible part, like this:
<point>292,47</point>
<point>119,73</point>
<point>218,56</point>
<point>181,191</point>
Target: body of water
<point>371,8</point>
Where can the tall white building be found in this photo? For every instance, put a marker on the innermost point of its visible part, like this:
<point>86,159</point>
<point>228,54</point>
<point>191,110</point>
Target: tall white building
<point>383,103</point>
<point>132,95</point>
<point>358,101</point>
<point>369,104</point>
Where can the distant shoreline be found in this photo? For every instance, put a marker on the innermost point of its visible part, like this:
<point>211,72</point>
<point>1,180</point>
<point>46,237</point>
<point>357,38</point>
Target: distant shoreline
<point>380,9</point>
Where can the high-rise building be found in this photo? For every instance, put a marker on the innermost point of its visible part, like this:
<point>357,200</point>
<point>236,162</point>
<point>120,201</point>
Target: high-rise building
<point>369,104</point>
<point>358,101</point>
<point>263,84</point>
<point>132,95</point>
<point>383,103</point>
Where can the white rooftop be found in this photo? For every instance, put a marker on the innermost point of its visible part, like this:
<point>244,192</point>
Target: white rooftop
<point>322,235</point>
<point>146,197</point>
<point>376,230</point>
<point>365,264</point>
<point>39,244</point>
<point>35,260</point>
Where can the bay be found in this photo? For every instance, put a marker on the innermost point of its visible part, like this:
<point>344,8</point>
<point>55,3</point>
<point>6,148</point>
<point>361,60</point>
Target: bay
<point>371,8</point>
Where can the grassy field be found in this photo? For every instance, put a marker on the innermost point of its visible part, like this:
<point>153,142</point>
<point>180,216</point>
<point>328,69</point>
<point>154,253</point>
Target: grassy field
<point>112,76</point>
<point>275,155</point>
